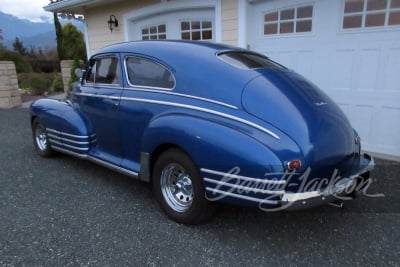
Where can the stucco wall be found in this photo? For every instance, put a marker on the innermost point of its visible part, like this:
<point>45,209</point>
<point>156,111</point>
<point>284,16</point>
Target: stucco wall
<point>229,17</point>
<point>97,27</point>
<point>99,35</point>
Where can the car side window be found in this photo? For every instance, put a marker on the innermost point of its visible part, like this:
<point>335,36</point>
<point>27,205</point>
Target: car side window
<point>147,73</point>
<point>104,70</point>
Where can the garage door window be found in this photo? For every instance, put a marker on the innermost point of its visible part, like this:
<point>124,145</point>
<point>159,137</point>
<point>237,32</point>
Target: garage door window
<point>155,32</point>
<point>196,30</point>
<point>370,13</point>
<point>288,20</point>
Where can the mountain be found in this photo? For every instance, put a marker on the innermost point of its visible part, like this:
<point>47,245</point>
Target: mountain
<point>37,34</point>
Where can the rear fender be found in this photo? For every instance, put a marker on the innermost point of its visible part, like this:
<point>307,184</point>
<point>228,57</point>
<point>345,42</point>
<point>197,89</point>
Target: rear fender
<point>212,146</point>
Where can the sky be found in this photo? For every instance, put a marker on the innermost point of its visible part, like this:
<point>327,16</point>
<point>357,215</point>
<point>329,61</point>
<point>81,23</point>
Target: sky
<point>27,9</point>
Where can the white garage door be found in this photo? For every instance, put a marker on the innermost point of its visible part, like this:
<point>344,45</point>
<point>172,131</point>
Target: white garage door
<point>349,48</point>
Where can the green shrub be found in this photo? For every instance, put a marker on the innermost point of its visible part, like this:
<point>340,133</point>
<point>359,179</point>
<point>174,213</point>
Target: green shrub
<point>21,64</point>
<point>40,84</point>
<point>36,83</point>
<point>58,85</point>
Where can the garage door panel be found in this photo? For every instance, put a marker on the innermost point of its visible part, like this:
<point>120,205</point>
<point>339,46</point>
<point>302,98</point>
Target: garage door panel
<point>368,69</point>
<point>342,69</point>
<point>386,132</point>
<point>361,118</point>
<point>392,69</point>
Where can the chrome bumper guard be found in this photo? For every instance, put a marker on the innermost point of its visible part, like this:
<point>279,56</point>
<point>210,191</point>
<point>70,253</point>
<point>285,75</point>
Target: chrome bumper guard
<point>294,201</point>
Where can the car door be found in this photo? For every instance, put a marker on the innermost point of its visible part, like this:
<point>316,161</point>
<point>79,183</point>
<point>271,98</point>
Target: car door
<point>99,100</point>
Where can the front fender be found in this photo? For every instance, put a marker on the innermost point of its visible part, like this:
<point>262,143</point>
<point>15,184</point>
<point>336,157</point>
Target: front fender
<point>67,128</point>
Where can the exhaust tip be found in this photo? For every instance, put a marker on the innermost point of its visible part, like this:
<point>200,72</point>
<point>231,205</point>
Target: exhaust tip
<point>337,204</point>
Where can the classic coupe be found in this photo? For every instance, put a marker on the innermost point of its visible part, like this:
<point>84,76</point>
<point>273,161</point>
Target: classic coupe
<point>203,123</point>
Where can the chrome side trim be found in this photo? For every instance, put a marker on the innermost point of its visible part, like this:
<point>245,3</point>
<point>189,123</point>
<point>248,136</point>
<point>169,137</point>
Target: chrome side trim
<point>113,167</point>
<point>98,96</point>
<point>245,178</point>
<point>67,134</point>
<point>244,188</point>
<point>214,112</point>
<point>65,151</point>
<point>173,104</point>
<point>258,200</point>
<point>163,91</point>
<point>183,95</point>
<point>67,140</point>
<point>97,161</point>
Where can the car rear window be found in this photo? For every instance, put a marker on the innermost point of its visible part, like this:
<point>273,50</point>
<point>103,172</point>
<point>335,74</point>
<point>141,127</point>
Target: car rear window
<point>245,60</point>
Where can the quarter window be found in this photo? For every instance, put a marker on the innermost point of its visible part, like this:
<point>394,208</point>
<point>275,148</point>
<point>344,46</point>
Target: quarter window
<point>155,32</point>
<point>196,30</point>
<point>288,20</point>
<point>146,73</point>
<point>358,14</point>
<point>104,70</point>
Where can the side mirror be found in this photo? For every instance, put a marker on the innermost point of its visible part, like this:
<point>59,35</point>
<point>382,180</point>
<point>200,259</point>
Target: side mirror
<point>79,73</point>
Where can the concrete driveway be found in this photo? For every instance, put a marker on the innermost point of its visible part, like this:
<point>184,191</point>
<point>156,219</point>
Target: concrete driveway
<point>69,212</point>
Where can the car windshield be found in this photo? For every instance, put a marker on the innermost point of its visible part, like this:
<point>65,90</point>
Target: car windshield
<point>245,60</point>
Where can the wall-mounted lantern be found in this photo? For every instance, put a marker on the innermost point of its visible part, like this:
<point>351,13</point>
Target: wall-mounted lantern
<point>112,22</point>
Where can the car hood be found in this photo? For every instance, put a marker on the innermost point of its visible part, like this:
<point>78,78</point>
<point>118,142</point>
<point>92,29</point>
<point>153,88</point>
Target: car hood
<point>288,101</point>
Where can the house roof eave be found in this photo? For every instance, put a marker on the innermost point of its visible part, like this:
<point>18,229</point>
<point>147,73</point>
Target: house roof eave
<point>67,5</point>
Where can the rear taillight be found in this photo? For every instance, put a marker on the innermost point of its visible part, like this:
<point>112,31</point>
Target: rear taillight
<point>294,164</point>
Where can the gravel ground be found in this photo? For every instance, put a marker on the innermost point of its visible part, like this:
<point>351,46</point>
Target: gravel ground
<point>69,212</point>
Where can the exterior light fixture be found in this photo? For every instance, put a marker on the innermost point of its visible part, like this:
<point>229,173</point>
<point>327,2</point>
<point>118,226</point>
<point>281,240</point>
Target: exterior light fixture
<point>112,22</point>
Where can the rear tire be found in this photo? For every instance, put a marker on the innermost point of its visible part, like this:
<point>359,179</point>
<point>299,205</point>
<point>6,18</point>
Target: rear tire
<point>179,188</point>
<point>40,139</point>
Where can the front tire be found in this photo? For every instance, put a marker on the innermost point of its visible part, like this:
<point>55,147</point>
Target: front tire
<point>179,189</point>
<point>40,139</point>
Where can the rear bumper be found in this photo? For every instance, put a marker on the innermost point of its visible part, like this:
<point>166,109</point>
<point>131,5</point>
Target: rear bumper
<point>339,190</point>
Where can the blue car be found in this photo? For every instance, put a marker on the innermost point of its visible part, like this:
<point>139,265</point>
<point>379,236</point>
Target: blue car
<point>204,123</point>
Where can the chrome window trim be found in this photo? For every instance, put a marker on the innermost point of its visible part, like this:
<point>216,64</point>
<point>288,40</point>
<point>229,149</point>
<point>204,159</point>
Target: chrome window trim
<point>140,86</point>
<point>94,84</point>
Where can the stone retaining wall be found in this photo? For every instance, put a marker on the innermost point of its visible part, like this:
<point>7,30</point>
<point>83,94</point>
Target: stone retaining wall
<point>9,94</point>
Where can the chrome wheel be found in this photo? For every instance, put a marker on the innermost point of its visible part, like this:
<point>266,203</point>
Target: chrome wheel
<point>176,187</point>
<point>40,138</point>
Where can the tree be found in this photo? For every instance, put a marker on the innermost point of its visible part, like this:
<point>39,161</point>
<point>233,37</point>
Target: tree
<point>21,64</point>
<point>59,35</point>
<point>19,47</point>
<point>1,35</point>
<point>73,43</point>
